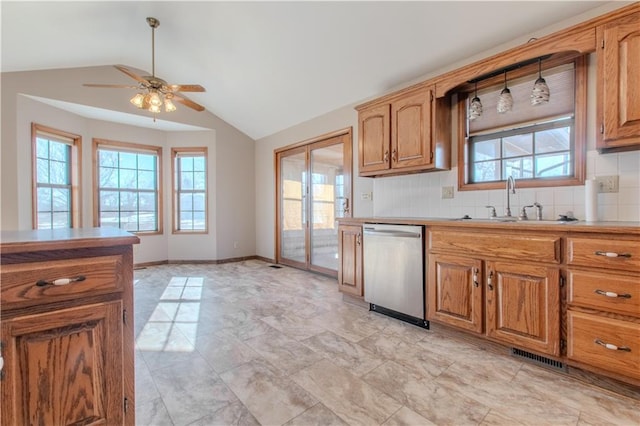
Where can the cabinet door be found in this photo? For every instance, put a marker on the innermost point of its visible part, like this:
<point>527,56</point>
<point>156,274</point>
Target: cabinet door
<point>64,367</point>
<point>411,130</point>
<point>374,134</point>
<point>350,253</point>
<point>619,82</point>
<point>523,305</point>
<point>454,293</point>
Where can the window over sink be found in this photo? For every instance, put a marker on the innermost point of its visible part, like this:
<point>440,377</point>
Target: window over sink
<point>541,145</point>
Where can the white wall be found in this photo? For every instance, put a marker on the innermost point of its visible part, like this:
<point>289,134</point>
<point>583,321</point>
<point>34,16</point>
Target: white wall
<point>231,153</point>
<point>419,195</point>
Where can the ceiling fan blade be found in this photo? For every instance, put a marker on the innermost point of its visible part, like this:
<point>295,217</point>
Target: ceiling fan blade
<point>186,88</point>
<point>109,86</point>
<point>188,102</point>
<point>131,74</point>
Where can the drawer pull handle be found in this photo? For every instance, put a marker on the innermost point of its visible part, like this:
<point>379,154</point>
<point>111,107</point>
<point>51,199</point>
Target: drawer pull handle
<point>612,294</point>
<point>612,347</point>
<point>61,281</point>
<point>611,254</point>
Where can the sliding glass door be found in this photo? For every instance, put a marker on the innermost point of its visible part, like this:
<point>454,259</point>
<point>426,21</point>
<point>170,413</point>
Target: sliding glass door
<point>314,189</point>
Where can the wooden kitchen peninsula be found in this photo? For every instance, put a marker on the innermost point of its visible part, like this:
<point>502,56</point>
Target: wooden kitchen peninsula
<point>67,327</point>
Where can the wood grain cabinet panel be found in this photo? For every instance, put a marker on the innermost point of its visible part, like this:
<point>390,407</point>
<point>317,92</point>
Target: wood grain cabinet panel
<point>350,255</point>
<point>600,252</point>
<point>374,132</point>
<point>523,305</point>
<point>411,135</point>
<point>64,367</point>
<point>604,291</point>
<point>619,83</point>
<point>454,295</point>
<point>610,344</point>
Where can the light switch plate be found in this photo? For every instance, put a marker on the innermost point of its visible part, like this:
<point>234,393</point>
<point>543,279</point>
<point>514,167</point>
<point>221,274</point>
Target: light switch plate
<point>607,183</point>
<point>447,192</point>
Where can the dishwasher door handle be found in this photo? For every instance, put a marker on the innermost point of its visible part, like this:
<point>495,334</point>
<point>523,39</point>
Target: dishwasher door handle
<point>389,233</point>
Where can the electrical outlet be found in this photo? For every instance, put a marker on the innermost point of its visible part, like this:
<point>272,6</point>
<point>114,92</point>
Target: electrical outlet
<point>366,196</point>
<point>447,192</point>
<point>235,244</point>
<point>607,183</point>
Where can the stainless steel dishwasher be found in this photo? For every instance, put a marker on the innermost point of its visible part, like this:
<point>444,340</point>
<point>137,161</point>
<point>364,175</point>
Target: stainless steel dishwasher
<point>394,271</point>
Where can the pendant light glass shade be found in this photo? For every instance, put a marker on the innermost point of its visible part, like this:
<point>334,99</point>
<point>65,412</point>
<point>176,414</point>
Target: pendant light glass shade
<point>540,93</point>
<point>505,101</point>
<point>475,107</point>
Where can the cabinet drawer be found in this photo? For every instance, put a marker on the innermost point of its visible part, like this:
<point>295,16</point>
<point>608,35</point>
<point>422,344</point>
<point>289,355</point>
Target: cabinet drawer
<point>20,289</point>
<point>534,248</point>
<point>607,292</point>
<point>587,335</point>
<point>604,253</point>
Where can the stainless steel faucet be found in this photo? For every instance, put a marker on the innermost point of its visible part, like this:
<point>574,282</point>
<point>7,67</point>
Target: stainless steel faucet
<point>511,189</point>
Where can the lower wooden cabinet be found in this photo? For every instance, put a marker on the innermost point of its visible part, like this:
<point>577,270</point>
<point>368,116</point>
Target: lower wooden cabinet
<point>350,260</point>
<point>523,305</point>
<point>454,293</point>
<point>67,335</point>
<point>64,367</point>
<point>515,301</point>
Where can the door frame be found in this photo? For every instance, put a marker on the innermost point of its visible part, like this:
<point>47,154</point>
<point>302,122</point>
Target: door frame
<point>306,145</point>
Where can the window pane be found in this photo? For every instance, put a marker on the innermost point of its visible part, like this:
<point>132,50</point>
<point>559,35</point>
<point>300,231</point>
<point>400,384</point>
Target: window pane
<point>519,168</point>
<point>186,164</point>
<point>186,220</point>
<point>108,158</point>
<point>147,201</point>
<point>108,177</point>
<point>186,181</point>
<point>554,165</point>
<point>61,199</point>
<point>186,202</point>
<point>42,148</point>
<point>128,160</point>
<point>58,173</point>
<point>518,145</point>
<point>43,170</point>
<point>58,151</point>
<point>198,220</point>
<point>198,201</point>
<point>44,200</point>
<point>553,140</point>
<point>148,222</point>
<point>146,162</point>
<point>128,201</point>
<point>199,180</point>
<point>146,179</point>
<point>128,179</point>
<point>44,220</point>
<point>60,220</point>
<point>486,150</point>
<point>109,201</point>
<point>109,219</point>
<point>129,221</point>
<point>486,171</point>
<point>198,164</point>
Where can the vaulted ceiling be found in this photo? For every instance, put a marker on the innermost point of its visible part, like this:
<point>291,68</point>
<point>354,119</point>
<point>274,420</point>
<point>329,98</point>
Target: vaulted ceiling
<point>267,66</point>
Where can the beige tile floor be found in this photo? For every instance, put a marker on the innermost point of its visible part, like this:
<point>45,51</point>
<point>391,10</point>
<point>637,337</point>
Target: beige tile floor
<point>246,344</point>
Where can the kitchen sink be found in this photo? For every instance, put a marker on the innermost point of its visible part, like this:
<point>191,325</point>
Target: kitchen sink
<point>515,220</point>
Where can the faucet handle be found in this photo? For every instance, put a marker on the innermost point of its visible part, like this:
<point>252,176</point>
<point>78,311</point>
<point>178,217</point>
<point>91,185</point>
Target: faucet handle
<point>538,207</point>
<point>523,213</point>
<point>492,212</point>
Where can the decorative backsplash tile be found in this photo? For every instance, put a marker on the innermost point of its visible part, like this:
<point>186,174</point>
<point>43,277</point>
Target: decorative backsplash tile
<point>420,195</point>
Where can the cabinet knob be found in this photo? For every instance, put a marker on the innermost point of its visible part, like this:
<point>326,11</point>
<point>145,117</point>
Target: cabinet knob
<point>611,346</point>
<point>612,254</point>
<point>475,277</point>
<point>386,156</point>
<point>394,157</point>
<point>490,280</point>
<point>61,281</point>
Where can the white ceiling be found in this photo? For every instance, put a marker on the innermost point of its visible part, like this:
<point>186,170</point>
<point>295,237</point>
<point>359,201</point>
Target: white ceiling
<point>267,66</point>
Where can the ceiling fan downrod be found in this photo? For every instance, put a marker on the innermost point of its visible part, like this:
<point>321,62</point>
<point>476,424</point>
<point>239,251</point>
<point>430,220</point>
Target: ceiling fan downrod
<point>153,23</point>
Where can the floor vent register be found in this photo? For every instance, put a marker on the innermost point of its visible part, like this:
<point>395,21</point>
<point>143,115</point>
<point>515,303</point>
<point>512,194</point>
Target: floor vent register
<point>538,359</point>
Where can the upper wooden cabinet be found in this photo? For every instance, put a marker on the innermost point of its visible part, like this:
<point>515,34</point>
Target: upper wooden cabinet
<point>405,133</point>
<point>619,84</point>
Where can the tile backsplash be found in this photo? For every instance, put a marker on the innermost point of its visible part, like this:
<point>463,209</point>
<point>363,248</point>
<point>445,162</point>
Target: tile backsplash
<point>420,195</point>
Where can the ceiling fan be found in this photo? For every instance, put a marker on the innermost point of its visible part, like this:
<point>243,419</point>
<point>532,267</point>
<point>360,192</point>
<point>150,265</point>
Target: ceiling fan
<point>155,92</point>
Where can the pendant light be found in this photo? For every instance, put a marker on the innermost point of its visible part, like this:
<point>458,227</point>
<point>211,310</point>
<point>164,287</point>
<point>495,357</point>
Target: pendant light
<point>475,107</point>
<point>540,93</point>
<point>505,101</point>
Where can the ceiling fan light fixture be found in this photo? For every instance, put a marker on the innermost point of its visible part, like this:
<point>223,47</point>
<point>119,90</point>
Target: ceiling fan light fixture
<point>138,100</point>
<point>154,109</point>
<point>169,105</point>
